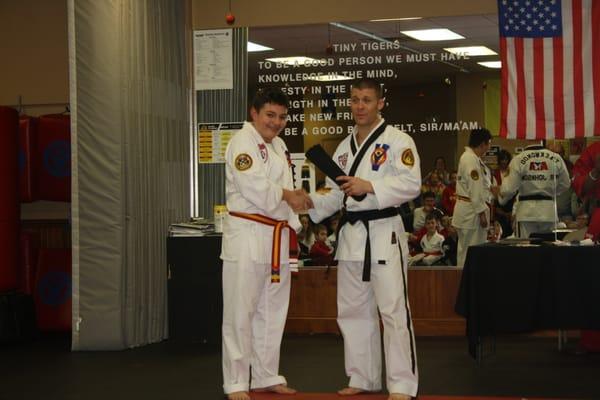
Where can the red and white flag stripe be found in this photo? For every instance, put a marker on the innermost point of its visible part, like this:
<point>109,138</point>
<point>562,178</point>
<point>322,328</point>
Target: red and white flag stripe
<point>551,86</point>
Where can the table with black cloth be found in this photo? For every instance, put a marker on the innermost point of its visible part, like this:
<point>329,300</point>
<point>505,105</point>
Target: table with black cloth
<point>518,289</point>
<point>194,289</point>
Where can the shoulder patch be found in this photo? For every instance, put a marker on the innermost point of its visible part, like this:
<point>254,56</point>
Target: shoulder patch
<point>243,162</point>
<point>474,175</point>
<point>408,158</point>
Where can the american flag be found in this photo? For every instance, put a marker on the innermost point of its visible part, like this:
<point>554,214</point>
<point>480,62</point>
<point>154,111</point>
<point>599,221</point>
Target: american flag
<point>550,52</point>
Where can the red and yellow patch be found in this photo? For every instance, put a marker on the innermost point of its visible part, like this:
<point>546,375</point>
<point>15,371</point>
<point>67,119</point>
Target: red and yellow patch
<point>243,162</point>
<point>408,158</point>
<point>474,175</point>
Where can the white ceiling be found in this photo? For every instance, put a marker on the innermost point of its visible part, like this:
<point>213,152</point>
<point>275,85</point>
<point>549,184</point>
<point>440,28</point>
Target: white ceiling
<point>313,40</point>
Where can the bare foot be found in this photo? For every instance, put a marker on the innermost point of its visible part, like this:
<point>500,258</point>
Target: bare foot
<point>398,396</point>
<point>238,396</point>
<point>350,391</point>
<point>279,389</point>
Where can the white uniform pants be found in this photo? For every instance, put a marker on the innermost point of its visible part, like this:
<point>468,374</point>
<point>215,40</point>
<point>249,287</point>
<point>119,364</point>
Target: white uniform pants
<point>254,315</point>
<point>358,320</point>
<point>466,238</point>
<point>526,228</point>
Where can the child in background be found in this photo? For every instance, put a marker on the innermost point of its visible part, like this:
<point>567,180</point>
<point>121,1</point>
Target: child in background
<point>320,252</point>
<point>431,243</point>
<point>334,222</point>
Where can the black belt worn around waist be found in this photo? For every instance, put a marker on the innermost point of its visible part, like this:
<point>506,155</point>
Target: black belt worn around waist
<point>535,197</point>
<point>353,217</point>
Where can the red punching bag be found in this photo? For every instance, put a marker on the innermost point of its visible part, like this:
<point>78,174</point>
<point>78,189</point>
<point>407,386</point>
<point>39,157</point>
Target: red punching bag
<point>54,157</point>
<point>9,198</point>
<point>27,164</point>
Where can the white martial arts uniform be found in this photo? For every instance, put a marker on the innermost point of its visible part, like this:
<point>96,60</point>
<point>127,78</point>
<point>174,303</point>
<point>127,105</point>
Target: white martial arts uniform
<point>531,173</point>
<point>433,249</point>
<point>254,309</point>
<point>473,181</point>
<point>392,166</point>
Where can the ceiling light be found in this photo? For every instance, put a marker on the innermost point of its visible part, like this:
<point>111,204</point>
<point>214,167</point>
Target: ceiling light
<point>253,47</point>
<point>330,77</point>
<point>491,64</point>
<point>394,19</point>
<point>433,34</point>
<point>296,60</point>
<point>471,51</point>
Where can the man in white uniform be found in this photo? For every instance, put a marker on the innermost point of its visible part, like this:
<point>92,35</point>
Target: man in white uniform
<point>471,212</point>
<point>256,274</point>
<point>539,175</point>
<point>372,249</point>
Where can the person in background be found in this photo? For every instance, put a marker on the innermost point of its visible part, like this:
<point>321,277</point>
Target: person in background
<point>420,213</point>
<point>431,244</point>
<point>538,175</point>
<point>320,252</point>
<point>439,167</point>
<point>306,236</point>
<point>450,240</point>
<point>471,214</point>
<point>334,222</point>
<point>503,212</point>
<point>373,278</point>
<point>449,195</point>
<point>586,183</point>
<point>434,185</point>
<point>256,284</point>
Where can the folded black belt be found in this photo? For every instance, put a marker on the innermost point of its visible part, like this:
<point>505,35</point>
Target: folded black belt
<point>535,197</point>
<point>353,217</point>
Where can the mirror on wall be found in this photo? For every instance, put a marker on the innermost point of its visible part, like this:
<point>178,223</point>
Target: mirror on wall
<point>434,89</point>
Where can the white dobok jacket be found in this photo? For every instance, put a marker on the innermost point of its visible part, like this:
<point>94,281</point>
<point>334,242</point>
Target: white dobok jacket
<point>257,174</point>
<point>473,181</point>
<point>539,175</point>
<point>392,165</point>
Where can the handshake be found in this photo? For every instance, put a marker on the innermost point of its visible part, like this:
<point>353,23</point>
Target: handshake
<point>298,200</point>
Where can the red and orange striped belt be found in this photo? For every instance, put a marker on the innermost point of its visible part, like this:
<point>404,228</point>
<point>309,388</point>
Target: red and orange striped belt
<point>278,227</point>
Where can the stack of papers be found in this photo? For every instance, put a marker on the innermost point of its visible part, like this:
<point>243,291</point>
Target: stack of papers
<point>201,227</point>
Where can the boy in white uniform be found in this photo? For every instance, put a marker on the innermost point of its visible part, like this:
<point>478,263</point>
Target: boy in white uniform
<point>256,275</point>
<point>372,251</point>
<point>432,244</point>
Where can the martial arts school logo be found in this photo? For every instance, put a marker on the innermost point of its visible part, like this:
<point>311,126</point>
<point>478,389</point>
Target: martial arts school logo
<point>263,152</point>
<point>475,175</point>
<point>408,158</point>
<point>379,156</point>
<point>538,166</point>
<point>343,160</point>
<point>243,162</point>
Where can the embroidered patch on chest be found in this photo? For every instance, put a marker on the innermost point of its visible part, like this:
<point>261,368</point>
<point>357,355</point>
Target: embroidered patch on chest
<point>408,158</point>
<point>243,162</point>
<point>378,156</point>
<point>343,160</point>
<point>475,175</point>
<point>264,154</point>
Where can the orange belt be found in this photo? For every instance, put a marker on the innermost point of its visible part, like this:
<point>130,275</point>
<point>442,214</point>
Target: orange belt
<point>278,226</point>
<point>433,253</point>
<point>463,198</point>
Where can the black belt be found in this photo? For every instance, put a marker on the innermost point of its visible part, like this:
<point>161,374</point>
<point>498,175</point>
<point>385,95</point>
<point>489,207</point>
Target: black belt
<point>535,197</point>
<point>353,217</point>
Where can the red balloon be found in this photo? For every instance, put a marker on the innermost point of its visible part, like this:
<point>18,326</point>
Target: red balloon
<point>230,18</point>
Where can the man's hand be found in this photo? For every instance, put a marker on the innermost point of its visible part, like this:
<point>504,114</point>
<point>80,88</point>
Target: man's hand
<point>355,186</point>
<point>298,199</point>
<point>483,220</point>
